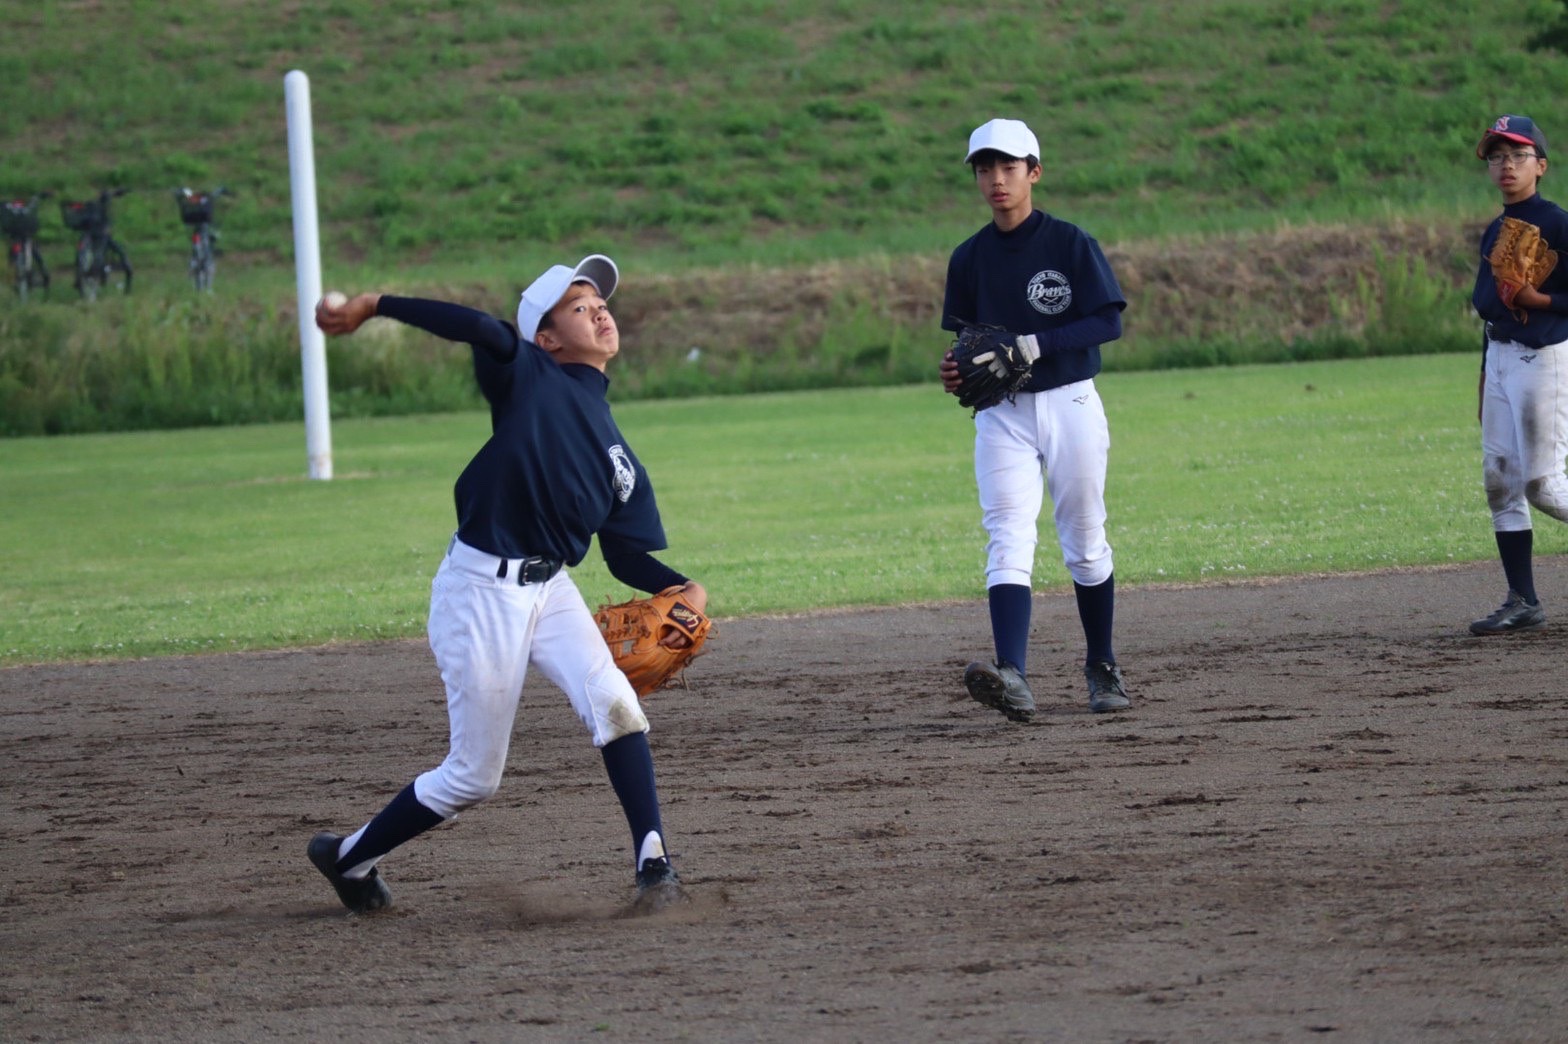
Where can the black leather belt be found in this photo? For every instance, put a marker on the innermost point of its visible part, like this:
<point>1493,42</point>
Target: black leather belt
<point>533,570</point>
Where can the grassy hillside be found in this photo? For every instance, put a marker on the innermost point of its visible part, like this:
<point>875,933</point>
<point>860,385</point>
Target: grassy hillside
<point>780,181</point>
<point>454,133</point>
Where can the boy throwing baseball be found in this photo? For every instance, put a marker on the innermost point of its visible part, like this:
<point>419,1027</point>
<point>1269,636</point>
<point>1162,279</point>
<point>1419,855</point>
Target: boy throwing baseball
<point>554,473</point>
<point>1030,273</point>
<point>1522,295</point>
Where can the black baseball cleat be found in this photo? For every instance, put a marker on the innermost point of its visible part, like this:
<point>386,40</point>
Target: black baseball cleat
<point>363,895</point>
<point>1106,692</point>
<point>1000,687</point>
<point>1515,614</point>
<point>658,886</point>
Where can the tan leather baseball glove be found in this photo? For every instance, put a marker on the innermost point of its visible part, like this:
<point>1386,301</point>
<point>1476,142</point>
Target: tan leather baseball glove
<point>1519,258</point>
<point>653,639</point>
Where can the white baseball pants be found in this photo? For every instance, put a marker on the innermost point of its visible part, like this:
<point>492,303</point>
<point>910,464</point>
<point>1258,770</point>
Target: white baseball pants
<point>484,632</point>
<point>1055,441</point>
<point>1524,433</point>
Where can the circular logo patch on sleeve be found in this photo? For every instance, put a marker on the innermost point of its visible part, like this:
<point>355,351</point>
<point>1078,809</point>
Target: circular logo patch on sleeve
<point>625,474</point>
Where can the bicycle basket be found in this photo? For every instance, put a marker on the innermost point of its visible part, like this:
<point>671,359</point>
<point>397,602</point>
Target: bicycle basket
<point>79,216</point>
<point>18,218</point>
<point>196,208</point>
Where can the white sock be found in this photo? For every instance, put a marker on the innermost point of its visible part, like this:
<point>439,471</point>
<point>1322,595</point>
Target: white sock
<point>652,848</point>
<point>355,873</point>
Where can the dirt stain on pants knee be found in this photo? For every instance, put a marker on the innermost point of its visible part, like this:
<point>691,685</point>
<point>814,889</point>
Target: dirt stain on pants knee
<point>626,717</point>
<point>1549,495</point>
<point>1494,477</point>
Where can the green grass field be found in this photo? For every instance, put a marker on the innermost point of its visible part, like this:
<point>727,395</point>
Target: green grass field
<point>213,539</point>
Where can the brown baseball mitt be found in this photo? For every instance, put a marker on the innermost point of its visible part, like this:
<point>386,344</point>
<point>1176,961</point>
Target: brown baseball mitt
<point>1519,258</point>
<point>653,639</point>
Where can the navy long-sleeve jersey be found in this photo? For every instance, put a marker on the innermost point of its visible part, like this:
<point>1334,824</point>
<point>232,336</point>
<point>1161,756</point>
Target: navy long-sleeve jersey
<point>556,469</point>
<point>1046,277</point>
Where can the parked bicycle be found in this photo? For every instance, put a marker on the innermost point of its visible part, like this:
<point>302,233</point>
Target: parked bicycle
<point>19,221</point>
<point>196,211</point>
<point>100,262</point>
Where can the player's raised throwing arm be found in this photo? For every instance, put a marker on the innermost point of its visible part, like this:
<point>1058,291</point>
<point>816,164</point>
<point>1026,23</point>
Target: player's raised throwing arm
<point>451,322</point>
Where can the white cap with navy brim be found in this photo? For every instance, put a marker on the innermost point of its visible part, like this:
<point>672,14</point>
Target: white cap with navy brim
<point>1009,137</point>
<point>546,291</point>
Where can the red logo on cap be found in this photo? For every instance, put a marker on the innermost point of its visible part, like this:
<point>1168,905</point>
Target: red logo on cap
<point>1501,124</point>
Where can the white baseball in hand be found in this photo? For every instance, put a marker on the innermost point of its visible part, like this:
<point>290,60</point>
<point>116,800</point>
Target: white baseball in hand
<point>335,299</point>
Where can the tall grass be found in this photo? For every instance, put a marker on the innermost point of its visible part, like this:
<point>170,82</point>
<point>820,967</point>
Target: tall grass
<point>164,361</point>
<point>1397,306</point>
<point>144,362</point>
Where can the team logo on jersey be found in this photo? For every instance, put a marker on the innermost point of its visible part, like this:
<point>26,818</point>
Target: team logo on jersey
<point>1050,292</point>
<point>625,474</point>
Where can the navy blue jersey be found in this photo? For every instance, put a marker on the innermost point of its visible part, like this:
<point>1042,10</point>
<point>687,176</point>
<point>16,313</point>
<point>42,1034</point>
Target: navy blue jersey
<point>1541,326</point>
<point>1042,276</point>
<point>556,469</point>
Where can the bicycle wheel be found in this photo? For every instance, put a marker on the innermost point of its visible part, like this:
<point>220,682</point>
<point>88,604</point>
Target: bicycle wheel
<point>19,271</point>
<point>202,264</point>
<point>40,272</point>
<point>89,273</point>
<point>116,269</point>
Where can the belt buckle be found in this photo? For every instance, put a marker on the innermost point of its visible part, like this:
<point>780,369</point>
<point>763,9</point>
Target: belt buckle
<point>535,570</point>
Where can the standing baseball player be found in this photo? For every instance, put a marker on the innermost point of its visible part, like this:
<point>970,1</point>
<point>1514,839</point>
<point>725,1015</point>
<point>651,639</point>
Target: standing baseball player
<point>1030,273</point>
<point>555,471</point>
<point>1524,367</point>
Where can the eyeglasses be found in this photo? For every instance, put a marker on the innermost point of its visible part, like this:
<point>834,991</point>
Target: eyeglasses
<point>1497,159</point>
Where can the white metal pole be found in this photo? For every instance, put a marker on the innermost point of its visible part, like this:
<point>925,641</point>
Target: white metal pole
<point>307,273</point>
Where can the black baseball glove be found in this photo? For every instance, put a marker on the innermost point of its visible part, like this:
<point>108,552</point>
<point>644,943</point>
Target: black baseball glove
<point>992,364</point>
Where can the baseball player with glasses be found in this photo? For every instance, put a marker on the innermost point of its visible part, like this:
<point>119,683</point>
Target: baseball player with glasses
<point>1029,273</point>
<point>1524,363</point>
<point>555,472</point>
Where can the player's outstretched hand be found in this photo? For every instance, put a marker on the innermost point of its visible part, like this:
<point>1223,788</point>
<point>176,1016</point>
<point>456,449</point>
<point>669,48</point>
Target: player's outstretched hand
<point>336,315</point>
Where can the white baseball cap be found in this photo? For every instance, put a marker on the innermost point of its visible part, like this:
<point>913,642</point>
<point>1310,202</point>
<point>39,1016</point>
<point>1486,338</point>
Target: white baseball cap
<point>1009,137</point>
<point>546,291</point>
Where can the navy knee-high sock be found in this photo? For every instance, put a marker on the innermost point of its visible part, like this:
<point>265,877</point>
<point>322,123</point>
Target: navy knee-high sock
<point>403,819</point>
<point>1010,607</point>
<point>1515,549</point>
<point>1097,612</point>
<point>629,761</point>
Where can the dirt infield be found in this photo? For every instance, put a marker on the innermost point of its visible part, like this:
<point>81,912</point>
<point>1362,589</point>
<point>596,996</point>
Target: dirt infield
<point>1332,814</point>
